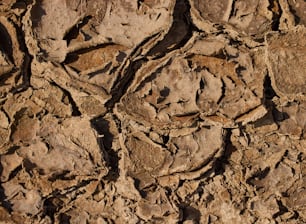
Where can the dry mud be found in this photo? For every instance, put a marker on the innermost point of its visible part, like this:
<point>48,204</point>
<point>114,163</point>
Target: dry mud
<point>153,111</point>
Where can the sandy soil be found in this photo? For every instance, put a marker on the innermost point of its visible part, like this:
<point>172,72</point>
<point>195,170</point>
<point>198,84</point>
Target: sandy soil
<point>153,111</point>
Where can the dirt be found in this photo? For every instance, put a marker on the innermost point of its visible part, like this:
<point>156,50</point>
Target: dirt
<point>153,111</point>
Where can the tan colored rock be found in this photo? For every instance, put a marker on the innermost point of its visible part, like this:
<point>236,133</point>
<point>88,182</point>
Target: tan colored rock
<point>249,17</point>
<point>298,10</point>
<point>9,163</point>
<point>152,111</point>
<point>294,122</point>
<point>286,58</point>
<point>214,88</point>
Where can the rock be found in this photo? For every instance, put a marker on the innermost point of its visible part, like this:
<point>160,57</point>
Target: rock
<point>285,62</point>
<point>152,111</point>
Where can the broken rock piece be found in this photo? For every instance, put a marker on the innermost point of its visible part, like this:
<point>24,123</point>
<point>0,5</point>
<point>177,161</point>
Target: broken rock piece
<point>79,25</point>
<point>248,17</point>
<point>146,160</point>
<point>298,8</point>
<point>286,62</point>
<point>173,91</point>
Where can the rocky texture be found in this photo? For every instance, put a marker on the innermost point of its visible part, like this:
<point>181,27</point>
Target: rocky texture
<point>289,59</point>
<point>152,111</point>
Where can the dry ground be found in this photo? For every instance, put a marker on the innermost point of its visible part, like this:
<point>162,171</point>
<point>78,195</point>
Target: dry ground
<point>153,111</point>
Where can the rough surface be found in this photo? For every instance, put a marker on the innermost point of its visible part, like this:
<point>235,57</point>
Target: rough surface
<point>153,111</point>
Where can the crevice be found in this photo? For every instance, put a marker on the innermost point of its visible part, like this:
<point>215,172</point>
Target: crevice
<point>14,172</point>
<point>62,175</point>
<point>102,127</point>
<point>189,114</point>
<point>181,15</point>
<point>152,76</point>
<point>282,209</point>
<point>6,43</point>
<point>179,33</point>
<point>3,199</point>
<point>165,139</point>
<point>51,206</point>
<point>223,89</point>
<point>73,189</point>
<point>229,148</point>
<point>64,218</point>
<point>275,8</point>
<point>25,75</point>
<point>232,12</point>
<point>17,116</point>
<point>100,71</point>
<point>73,56</point>
<point>259,175</point>
<point>12,150</point>
<point>189,213</point>
<point>75,110</point>
<point>37,12</point>
<point>139,3</point>
<point>21,4</point>
<point>118,91</point>
<point>297,19</point>
<point>74,31</point>
<point>269,92</point>
<point>125,76</point>
<point>5,76</point>
<point>25,72</point>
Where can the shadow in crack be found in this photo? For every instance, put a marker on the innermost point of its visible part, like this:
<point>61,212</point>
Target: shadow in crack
<point>3,199</point>
<point>179,33</point>
<point>74,31</point>
<point>102,127</point>
<point>221,162</point>
<point>64,219</point>
<point>274,6</point>
<point>37,13</point>
<point>51,206</point>
<point>6,43</point>
<point>259,175</point>
<point>190,213</point>
<point>269,92</point>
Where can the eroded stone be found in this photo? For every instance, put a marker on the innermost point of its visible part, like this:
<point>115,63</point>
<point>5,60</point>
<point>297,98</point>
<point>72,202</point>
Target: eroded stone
<point>152,111</point>
<point>286,57</point>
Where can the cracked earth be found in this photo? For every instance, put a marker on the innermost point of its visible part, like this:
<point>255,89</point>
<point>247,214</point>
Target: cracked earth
<point>153,111</point>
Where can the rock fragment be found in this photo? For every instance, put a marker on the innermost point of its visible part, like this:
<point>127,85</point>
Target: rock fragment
<point>286,62</point>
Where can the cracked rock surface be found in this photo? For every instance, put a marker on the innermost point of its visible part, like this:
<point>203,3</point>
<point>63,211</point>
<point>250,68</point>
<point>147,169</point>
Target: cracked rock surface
<point>152,111</point>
